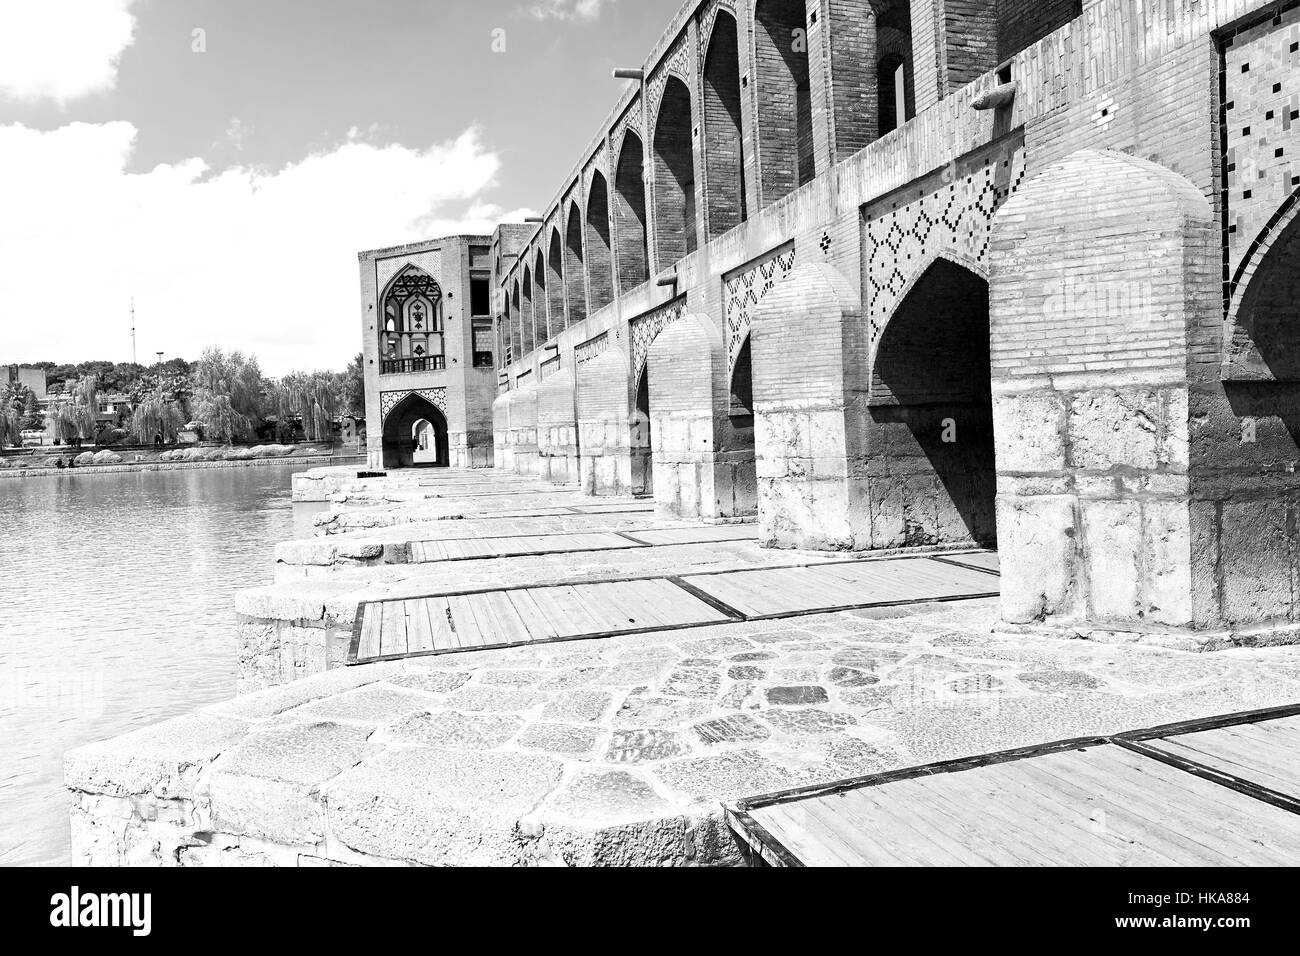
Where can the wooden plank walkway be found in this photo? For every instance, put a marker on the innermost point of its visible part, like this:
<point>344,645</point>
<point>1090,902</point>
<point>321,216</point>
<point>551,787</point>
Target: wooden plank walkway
<point>586,609</point>
<point>509,617</point>
<point>512,546</point>
<point>1092,802</point>
<point>781,592</point>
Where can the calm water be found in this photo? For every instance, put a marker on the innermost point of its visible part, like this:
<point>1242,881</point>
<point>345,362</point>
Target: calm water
<point>116,611</point>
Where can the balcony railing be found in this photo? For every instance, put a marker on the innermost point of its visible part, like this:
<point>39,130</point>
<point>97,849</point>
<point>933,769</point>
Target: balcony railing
<point>432,363</point>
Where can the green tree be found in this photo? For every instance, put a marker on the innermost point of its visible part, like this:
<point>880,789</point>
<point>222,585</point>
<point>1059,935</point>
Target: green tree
<point>156,415</point>
<point>31,415</point>
<point>10,421</point>
<point>74,418</point>
<point>221,422</point>
<point>355,387</point>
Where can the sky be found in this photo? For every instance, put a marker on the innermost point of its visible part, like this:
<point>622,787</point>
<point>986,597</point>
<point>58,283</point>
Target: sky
<point>223,161</point>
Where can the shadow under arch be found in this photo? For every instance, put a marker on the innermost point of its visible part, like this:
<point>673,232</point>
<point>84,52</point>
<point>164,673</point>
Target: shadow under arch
<point>400,441</point>
<point>930,411</point>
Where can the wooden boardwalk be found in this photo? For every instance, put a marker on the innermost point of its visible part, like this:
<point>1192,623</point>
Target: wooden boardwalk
<point>581,610</point>
<point>513,546</point>
<point>1221,792</point>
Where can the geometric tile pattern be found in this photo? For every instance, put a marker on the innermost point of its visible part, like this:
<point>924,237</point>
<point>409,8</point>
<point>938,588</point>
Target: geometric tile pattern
<point>743,291</point>
<point>957,217</point>
<point>1259,76</point>
<point>646,328</point>
<point>388,400</point>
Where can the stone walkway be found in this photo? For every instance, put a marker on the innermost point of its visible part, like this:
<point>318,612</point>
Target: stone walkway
<point>619,750</point>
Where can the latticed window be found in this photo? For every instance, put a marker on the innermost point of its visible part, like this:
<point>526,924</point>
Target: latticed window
<point>412,340</point>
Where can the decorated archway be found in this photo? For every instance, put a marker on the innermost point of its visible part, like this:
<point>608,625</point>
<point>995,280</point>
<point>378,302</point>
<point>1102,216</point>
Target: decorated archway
<point>415,434</point>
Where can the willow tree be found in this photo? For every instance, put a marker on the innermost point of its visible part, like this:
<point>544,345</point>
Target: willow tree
<point>155,417</point>
<point>10,422</point>
<point>220,420</point>
<point>75,417</point>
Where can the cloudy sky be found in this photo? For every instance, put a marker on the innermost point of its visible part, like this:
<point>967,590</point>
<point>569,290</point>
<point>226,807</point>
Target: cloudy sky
<point>224,160</point>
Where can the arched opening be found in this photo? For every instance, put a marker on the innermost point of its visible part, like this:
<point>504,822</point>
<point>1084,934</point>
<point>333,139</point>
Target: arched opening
<point>724,143</point>
<point>410,339</point>
<point>415,435</point>
<point>555,285</point>
<point>528,316</point>
<point>742,385</point>
<point>541,303</point>
<point>930,411</point>
<point>674,219</point>
<point>600,277</point>
<point>516,325</point>
<point>629,215</point>
<point>575,282</point>
<point>1267,323</point>
<point>895,93</point>
<point>785,141</point>
<point>642,438</point>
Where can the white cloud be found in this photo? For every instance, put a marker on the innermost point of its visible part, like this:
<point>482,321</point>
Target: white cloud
<point>568,9</point>
<point>61,49</point>
<point>245,258</point>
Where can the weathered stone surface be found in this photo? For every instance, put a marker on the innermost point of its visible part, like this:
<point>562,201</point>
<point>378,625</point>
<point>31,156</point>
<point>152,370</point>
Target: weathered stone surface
<point>692,682</point>
<point>735,728</point>
<point>494,699</point>
<point>1057,681</point>
<point>746,673</point>
<point>658,711</point>
<point>456,731</point>
<point>807,722</point>
<point>795,696</point>
<point>266,786</point>
<point>582,706</point>
<point>165,760</point>
<point>560,739</point>
<point>433,682</point>
<point>370,705</point>
<point>440,807</point>
<point>643,746</point>
<point>851,677</point>
<point>724,776</point>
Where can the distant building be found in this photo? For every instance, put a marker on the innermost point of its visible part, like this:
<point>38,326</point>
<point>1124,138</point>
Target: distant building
<point>430,375</point>
<point>29,375</point>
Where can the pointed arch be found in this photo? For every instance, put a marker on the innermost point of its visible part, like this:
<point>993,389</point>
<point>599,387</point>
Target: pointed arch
<point>674,176</point>
<point>516,325</point>
<point>399,436</point>
<point>410,326</point>
<point>529,315</point>
<point>600,275</point>
<point>785,141</point>
<point>555,284</point>
<point>630,215</point>
<point>575,280</point>
<point>541,302</point>
<point>724,142</point>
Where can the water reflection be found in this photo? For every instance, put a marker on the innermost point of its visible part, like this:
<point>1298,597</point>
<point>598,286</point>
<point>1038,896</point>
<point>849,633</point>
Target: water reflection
<point>116,611</point>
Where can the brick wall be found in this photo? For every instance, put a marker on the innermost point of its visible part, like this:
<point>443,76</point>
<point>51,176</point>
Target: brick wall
<point>600,276</point>
<point>785,136</point>
<point>1024,22</point>
<point>630,216</point>
<point>674,176</point>
<point>723,142</point>
<point>555,298</point>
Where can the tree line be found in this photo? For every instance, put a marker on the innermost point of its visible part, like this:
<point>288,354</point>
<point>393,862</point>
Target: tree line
<point>224,396</point>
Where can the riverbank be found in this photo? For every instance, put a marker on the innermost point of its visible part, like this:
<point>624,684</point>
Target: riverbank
<point>506,672</point>
<point>305,461</point>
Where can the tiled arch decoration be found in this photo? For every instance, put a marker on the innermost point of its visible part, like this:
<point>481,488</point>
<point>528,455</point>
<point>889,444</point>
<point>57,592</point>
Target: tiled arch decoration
<point>389,400</point>
<point>646,328</point>
<point>948,213</point>
<point>745,288</point>
<point>1259,73</point>
<point>677,63</point>
<point>631,119</point>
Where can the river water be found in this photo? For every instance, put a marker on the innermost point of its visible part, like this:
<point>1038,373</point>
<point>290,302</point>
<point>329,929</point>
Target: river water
<point>117,611</point>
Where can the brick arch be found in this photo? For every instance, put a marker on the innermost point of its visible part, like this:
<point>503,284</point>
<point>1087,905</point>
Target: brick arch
<point>784,92</point>
<point>599,250</point>
<point>528,315</point>
<point>555,283</point>
<point>951,256</point>
<point>557,429</point>
<point>674,175</point>
<point>1258,344</point>
<point>605,433</point>
<point>543,319</point>
<point>724,142</point>
<point>575,277</point>
<point>516,325</point>
<point>630,220</point>
<point>1103,300</point>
